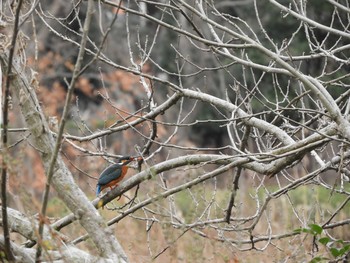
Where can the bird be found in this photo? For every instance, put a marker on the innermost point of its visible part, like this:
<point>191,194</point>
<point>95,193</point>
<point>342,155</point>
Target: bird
<point>113,174</point>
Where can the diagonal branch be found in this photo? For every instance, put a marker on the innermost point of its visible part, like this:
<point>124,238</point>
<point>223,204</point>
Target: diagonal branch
<point>284,155</point>
<point>26,226</point>
<point>287,156</point>
<point>68,253</point>
<point>22,254</point>
<point>310,21</point>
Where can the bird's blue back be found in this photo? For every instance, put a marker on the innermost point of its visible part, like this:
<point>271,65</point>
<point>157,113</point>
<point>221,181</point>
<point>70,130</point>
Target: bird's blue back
<point>109,174</point>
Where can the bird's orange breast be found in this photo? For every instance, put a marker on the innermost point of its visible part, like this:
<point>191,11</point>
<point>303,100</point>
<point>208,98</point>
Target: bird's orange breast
<point>124,171</point>
<point>111,184</point>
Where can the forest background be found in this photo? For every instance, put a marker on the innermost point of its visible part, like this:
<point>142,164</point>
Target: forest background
<point>240,110</point>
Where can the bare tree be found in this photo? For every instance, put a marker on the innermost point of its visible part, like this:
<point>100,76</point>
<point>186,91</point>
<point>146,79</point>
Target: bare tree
<point>239,109</point>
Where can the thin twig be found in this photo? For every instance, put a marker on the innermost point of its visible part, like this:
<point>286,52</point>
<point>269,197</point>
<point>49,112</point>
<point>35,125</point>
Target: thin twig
<point>8,252</point>
<point>237,175</point>
<point>57,147</point>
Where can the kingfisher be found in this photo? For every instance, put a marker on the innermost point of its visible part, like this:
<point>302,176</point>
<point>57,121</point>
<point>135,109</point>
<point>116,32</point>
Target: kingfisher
<point>113,174</point>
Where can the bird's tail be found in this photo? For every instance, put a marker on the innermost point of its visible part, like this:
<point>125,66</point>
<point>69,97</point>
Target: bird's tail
<point>98,190</point>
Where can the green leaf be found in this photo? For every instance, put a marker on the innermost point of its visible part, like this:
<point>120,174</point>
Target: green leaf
<point>335,252</point>
<point>298,230</point>
<point>313,230</point>
<point>324,240</point>
<point>317,259</point>
<point>316,229</point>
<point>303,230</point>
<point>344,250</point>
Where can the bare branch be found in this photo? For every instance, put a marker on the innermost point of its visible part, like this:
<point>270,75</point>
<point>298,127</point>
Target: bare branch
<point>5,157</point>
